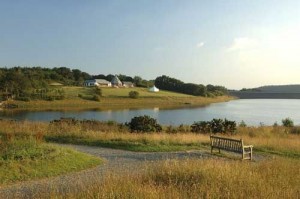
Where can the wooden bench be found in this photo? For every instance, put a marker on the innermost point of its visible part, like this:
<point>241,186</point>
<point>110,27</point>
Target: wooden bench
<point>231,145</point>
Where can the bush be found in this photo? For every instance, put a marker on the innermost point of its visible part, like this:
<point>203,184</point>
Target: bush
<point>144,124</point>
<point>243,124</point>
<point>214,126</point>
<point>98,91</point>
<point>287,122</point>
<point>229,126</point>
<point>134,94</point>
<point>96,98</point>
<point>200,127</point>
<point>217,126</point>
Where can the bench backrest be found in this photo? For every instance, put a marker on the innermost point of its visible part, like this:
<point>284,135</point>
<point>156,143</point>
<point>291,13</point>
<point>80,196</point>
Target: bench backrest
<point>227,143</point>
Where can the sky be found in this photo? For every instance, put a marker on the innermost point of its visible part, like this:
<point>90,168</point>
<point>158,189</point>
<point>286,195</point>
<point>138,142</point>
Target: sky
<point>234,43</point>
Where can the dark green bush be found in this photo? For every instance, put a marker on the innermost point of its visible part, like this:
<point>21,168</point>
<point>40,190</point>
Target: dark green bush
<point>134,94</point>
<point>217,126</point>
<point>287,122</point>
<point>214,126</point>
<point>229,126</point>
<point>144,124</point>
<point>201,127</point>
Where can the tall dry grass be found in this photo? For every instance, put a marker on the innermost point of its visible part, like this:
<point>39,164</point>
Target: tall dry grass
<point>277,178</point>
<point>276,140</point>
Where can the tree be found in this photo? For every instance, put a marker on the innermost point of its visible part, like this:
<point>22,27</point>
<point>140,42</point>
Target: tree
<point>287,122</point>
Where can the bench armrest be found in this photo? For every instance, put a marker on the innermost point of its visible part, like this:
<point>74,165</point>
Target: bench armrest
<point>248,146</point>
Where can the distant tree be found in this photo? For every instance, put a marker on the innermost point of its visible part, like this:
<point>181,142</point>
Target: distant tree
<point>287,122</point>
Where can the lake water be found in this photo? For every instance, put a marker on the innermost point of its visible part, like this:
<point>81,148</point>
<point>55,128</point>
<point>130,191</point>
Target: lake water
<point>252,111</point>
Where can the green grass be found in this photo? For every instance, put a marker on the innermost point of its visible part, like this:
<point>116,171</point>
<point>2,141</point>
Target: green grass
<point>23,159</point>
<point>117,98</point>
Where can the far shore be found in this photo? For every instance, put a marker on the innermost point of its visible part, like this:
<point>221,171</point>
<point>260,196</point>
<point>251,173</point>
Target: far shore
<point>114,99</point>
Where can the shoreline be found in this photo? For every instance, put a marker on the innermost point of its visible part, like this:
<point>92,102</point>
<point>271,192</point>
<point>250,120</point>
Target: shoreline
<point>117,103</point>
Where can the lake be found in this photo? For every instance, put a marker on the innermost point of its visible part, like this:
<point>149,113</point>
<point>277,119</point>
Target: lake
<point>252,111</point>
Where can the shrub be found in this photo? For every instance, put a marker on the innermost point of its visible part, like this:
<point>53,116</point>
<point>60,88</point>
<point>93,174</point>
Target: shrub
<point>229,126</point>
<point>144,124</point>
<point>134,94</point>
<point>243,124</point>
<point>200,127</point>
<point>217,126</point>
<point>96,98</point>
<point>287,122</point>
<point>214,126</point>
<point>98,91</point>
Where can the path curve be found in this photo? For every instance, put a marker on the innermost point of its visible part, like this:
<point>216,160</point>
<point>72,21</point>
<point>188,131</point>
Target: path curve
<point>115,161</point>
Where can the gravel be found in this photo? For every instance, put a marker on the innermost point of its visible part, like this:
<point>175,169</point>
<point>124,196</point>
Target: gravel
<point>116,161</point>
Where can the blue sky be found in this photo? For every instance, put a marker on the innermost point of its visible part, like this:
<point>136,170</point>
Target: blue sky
<point>235,43</point>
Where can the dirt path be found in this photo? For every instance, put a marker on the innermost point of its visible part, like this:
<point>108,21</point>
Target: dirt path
<point>115,161</point>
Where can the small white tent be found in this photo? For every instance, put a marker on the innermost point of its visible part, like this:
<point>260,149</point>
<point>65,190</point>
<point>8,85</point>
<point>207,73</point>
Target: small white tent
<point>153,89</point>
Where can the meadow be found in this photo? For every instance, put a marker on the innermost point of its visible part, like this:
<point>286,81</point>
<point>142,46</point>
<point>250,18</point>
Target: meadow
<point>117,98</point>
<point>24,157</point>
<point>275,174</point>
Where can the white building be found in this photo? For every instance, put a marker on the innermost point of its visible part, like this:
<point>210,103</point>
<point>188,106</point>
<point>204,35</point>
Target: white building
<point>97,82</point>
<point>153,89</point>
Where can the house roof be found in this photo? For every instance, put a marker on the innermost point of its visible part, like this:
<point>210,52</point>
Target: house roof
<point>102,81</point>
<point>116,80</point>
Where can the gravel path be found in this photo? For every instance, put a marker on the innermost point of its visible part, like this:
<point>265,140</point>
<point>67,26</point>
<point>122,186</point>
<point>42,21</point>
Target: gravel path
<point>115,161</point>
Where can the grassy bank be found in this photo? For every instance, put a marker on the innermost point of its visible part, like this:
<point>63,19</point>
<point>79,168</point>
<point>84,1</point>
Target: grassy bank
<point>27,158</point>
<point>276,178</point>
<point>117,98</point>
<point>266,140</point>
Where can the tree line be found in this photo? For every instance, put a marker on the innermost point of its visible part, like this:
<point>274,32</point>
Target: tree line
<point>35,82</point>
<point>171,84</point>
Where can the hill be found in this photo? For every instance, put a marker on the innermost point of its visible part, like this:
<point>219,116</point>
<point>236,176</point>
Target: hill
<point>295,88</point>
<point>269,92</point>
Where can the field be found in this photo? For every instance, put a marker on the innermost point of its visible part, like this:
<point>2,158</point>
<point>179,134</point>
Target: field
<point>117,98</point>
<point>25,158</point>
<point>274,173</point>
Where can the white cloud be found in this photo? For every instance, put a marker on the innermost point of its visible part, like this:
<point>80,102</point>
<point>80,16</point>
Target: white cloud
<point>243,43</point>
<point>200,44</point>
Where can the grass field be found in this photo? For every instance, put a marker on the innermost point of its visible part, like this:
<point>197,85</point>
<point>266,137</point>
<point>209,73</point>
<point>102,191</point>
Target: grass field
<point>27,158</point>
<point>276,175</point>
<point>117,98</point>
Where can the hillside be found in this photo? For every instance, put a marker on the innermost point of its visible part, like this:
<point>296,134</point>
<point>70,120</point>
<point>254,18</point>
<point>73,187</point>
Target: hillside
<point>269,92</point>
<point>280,88</point>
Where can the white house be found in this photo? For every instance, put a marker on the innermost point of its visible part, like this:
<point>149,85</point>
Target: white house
<point>128,84</point>
<point>153,89</point>
<point>97,82</point>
